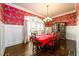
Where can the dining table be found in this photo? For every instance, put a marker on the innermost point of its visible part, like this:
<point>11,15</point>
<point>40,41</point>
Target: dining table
<point>44,38</point>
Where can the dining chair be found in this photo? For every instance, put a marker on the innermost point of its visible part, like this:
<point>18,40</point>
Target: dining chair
<point>56,38</point>
<point>36,45</point>
<point>51,44</point>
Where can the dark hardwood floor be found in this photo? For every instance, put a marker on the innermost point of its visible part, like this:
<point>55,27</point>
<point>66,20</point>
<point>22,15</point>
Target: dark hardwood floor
<point>26,50</point>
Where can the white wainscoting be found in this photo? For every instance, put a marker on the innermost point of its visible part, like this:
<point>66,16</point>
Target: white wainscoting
<point>13,35</point>
<point>2,41</point>
<point>71,32</point>
<point>10,35</point>
<point>77,32</point>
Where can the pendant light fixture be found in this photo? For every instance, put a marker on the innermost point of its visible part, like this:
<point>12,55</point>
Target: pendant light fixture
<point>47,19</point>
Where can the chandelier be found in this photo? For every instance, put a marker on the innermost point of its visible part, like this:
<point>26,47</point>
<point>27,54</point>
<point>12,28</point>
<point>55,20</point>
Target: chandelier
<point>47,19</point>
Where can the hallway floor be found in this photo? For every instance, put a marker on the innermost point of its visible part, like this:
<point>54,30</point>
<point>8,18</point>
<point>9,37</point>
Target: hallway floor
<point>26,50</point>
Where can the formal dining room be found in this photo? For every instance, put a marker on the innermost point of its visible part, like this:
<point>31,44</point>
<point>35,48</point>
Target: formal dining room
<point>39,29</point>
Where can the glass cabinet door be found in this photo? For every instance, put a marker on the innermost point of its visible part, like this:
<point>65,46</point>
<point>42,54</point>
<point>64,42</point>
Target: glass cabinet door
<point>59,27</point>
<point>55,27</point>
<point>62,29</point>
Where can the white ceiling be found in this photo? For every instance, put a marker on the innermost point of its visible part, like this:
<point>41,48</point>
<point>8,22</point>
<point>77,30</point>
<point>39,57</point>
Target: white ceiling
<point>53,9</point>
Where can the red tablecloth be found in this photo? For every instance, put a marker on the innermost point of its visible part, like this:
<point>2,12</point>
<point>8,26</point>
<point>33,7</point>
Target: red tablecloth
<point>44,39</point>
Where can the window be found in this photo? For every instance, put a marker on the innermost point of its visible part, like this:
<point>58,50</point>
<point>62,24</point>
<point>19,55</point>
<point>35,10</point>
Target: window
<point>34,25</point>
